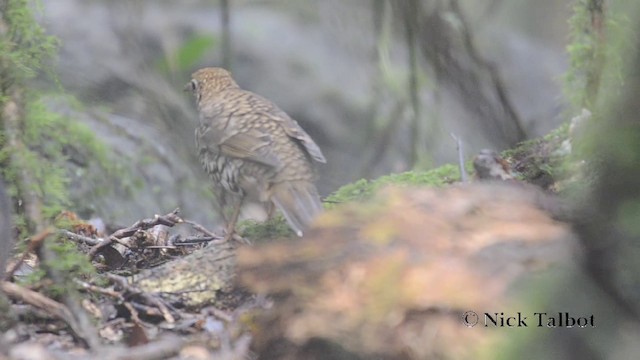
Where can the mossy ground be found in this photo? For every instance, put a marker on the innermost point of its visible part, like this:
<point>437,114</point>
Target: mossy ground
<point>540,161</point>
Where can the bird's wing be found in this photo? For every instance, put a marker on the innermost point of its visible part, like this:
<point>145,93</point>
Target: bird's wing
<point>252,145</point>
<point>294,131</point>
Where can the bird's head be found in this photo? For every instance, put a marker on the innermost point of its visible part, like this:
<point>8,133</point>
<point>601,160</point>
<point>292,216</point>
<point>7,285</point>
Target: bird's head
<point>209,81</point>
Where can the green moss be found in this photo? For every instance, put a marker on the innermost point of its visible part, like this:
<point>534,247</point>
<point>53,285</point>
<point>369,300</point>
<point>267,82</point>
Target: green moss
<point>26,46</point>
<point>360,190</point>
<point>594,53</point>
<point>364,189</point>
<point>274,228</point>
<point>69,262</point>
<point>540,161</point>
<point>49,137</point>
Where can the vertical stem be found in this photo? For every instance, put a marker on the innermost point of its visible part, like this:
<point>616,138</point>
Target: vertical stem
<point>411,24</point>
<point>372,130</point>
<point>594,72</point>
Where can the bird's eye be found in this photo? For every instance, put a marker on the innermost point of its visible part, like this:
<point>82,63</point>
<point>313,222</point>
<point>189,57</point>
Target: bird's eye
<point>194,85</point>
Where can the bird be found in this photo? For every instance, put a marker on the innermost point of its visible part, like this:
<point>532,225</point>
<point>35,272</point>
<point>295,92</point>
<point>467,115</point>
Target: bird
<point>252,149</point>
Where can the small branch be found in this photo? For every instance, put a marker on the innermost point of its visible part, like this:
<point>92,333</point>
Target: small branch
<point>82,325</point>
<point>34,244</point>
<point>80,238</point>
<point>40,302</point>
<point>13,122</point>
<point>202,229</point>
<point>146,296</point>
<point>169,219</point>
<point>411,27</point>
<point>495,79</point>
<point>463,171</point>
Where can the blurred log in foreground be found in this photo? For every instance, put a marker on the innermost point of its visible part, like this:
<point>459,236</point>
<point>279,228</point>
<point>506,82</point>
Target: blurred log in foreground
<point>391,279</point>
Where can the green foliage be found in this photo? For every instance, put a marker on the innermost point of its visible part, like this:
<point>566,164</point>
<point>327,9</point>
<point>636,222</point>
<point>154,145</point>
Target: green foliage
<point>581,51</point>
<point>26,46</point>
<point>588,50</point>
<point>188,55</point>
<point>48,137</point>
<point>69,263</point>
<point>541,160</point>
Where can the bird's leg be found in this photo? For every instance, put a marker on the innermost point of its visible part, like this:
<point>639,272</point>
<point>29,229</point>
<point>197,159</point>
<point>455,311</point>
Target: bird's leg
<point>231,224</point>
<point>222,202</point>
<point>270,210</point>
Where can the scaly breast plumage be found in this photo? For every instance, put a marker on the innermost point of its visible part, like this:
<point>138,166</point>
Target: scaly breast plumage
<point>223,171</point>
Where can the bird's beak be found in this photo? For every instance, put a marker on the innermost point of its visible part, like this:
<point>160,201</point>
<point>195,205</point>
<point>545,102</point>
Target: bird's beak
<point>187,87</point>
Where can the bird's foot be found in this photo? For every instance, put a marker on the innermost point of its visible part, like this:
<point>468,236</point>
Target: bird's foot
<point>230,235</point>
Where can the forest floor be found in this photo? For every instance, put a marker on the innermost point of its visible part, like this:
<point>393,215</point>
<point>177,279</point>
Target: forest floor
<point>168,288</point>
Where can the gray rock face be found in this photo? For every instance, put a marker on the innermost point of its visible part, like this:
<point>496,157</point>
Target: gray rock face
<point>313,59</point>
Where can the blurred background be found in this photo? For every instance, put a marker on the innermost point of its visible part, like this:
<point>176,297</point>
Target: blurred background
<point>379,85</point>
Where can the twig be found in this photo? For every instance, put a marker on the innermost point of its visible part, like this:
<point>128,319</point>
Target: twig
<point>41,302</point>
<point>146,296</point>
<point>12,122</point>
<point>494,76</point>
<point>134,313</point>
<point>131,306</point>
<point>193,240</point>
<point>80,238</point>
<point>99,290</point>
<point>202,229</point>
<point>463,171</point>
<point>34,243</point>
<point>83,328</point>
<point>411,27</point>
<point>169,219</point>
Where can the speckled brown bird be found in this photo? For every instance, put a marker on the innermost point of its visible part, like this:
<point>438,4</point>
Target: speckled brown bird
<point>251,148</point>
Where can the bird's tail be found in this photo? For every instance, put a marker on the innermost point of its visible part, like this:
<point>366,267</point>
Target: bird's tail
<point>299,202</point>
